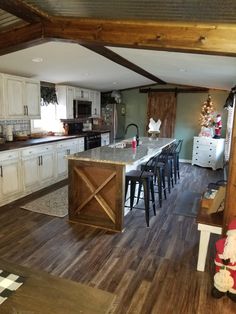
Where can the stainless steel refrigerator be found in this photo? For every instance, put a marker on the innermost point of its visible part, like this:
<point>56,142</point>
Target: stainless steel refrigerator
<point>114,119</point>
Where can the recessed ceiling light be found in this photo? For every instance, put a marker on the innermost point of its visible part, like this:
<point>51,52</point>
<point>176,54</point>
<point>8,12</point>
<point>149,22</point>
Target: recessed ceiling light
<point>114,83</point>
<point>37,60</point>
<point>182,70</point>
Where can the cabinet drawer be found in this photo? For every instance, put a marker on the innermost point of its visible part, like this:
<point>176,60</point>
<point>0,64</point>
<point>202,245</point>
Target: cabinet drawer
<point>67,143</point>
<point>204,141</point>
<point>36,150</point>
<point>9,155</point>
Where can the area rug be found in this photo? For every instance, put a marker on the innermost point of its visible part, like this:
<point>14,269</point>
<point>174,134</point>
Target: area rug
<point>53,204</point>
<point>187,204</point>
<point>8,284</point>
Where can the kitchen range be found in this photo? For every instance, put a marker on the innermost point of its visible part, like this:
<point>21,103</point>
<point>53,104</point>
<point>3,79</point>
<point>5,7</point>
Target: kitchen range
<point>92,138</point>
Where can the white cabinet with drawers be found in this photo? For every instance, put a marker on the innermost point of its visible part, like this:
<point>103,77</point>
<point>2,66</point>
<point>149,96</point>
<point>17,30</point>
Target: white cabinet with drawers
<point>208,152</point>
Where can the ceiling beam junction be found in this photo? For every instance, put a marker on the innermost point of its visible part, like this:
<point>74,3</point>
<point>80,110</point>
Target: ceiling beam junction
<point>23,10</point>
<point>109,54</point>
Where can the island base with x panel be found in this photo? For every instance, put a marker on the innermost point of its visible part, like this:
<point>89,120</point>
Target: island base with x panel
<point>96,194</point>
<point>97,181</point>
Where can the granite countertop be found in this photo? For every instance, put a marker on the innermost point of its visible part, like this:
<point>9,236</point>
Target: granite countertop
<point>123,156</point>
<point>36,141</point>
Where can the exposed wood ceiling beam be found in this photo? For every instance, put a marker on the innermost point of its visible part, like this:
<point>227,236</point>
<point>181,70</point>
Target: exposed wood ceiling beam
<point>23,10</point>
<point>183,37</point>
<point>24,37</point>
<point>188,37</point>
<point>109,54</point>
<point>175,90</point>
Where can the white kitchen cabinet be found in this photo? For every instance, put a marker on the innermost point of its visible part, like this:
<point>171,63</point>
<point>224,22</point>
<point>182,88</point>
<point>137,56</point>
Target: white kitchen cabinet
<point>105,139</point>
<point>80,146</point>
<point>208,152</point>
<point>66,148</point>
<point>95,98</point>
<point>65,97</point>
<point>37,166</point>
<point>10,176</point>
<point>81,93</point>
<point>21,97</point>
<point>2,105</point>
<point>13,97</point>
<point>32,98</point>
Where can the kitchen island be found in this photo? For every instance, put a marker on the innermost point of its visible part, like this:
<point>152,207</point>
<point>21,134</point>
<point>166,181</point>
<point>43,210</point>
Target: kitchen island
<point>97,181</point>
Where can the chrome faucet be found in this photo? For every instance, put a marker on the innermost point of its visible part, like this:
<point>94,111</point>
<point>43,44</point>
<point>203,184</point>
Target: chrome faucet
<point>137,135</point>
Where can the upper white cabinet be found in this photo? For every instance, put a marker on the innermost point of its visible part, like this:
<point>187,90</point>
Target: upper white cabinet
<point>65,97</point>
<point>13,97</point>
<point>81,93</point>
<point>32,98</point>
<point>95,98</point>
<point>21,97</point>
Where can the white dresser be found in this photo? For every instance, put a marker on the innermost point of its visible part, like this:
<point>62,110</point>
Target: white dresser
<point>208,152</point>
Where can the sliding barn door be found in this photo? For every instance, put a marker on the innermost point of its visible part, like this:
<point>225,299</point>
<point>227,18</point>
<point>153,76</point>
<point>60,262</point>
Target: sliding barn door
<point>162,106</point>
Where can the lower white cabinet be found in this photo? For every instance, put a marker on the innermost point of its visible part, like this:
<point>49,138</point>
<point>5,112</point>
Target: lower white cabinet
<point>10,175</point>
<point>37,166</point>
<point>26,170</point>
<point>65,148</point>
<point>208,152</point>
<point>105,139</point>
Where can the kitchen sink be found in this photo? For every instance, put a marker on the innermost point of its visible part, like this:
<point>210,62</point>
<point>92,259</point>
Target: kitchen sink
<point>122,144</point>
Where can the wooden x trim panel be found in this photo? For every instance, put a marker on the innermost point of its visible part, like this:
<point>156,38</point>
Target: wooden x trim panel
<point>95,193</point>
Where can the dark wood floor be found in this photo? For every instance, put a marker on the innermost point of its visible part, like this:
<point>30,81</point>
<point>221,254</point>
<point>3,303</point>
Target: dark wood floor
<point>151,270</point>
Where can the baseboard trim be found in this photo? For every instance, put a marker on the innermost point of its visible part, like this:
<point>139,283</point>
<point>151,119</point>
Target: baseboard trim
<point>188,161</point>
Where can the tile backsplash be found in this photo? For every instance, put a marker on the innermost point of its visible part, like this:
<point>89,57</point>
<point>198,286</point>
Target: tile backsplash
<point>18,125</point>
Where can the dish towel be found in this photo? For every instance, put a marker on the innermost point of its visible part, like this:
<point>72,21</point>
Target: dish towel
<point>8,284</point>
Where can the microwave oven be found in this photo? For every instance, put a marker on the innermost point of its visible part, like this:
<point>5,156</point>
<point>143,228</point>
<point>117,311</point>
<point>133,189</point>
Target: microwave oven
<point>82,108</point>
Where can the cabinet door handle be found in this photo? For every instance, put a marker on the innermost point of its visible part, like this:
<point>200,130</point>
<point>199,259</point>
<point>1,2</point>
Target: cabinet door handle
<point>1,171</point>
<point>27,110</point>
<point>39,160</point>
<point>24,111</point>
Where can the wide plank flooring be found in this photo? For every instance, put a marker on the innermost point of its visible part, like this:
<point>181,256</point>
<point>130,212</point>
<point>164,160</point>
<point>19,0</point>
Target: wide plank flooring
<point>151,270</point>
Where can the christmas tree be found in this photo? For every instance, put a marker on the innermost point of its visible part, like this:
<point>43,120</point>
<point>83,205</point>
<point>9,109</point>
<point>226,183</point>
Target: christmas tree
<point>206,118</point>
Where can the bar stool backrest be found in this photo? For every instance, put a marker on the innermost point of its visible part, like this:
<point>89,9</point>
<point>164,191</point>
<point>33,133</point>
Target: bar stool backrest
<point>152,163</point>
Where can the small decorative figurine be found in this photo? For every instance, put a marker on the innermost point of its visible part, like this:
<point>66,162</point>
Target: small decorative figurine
<point>218,126</point>
<point>154,127</point>
<point>225,263</point>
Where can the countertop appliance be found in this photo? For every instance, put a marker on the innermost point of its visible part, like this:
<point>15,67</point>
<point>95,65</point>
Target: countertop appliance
<point>114,119</point>
<point>82,108</point>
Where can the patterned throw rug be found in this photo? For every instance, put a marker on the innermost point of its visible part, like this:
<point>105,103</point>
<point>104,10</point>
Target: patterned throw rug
<point>8,284</point>
<point>187,204</point>
<point>53,204</point>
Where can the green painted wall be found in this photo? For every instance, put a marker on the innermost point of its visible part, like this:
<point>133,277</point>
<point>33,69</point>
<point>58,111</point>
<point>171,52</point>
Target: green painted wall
<point>187,114</point>
<point>136,108</point>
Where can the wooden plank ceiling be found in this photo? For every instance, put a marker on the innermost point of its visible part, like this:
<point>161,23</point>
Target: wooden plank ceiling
<point>188,26</point>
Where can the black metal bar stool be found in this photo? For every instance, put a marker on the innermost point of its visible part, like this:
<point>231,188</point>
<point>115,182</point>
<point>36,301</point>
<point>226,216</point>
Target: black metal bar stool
<point>159,179</point>
<point>145,179</point>
<point>166,163</point>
